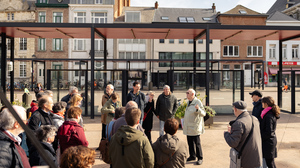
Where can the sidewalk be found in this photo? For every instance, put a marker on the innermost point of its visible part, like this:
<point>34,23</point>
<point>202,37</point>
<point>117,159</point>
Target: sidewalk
<point>214,147</point>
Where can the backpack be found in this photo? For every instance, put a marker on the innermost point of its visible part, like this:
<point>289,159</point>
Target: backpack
<point>103,148</point>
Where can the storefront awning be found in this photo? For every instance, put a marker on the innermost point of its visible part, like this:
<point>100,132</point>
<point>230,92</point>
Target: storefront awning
<point>273,71</point>
<point>297,70</point>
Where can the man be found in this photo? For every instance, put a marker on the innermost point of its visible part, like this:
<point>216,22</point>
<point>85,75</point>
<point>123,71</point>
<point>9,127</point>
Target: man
<point>72,91</point>
<point>121,121</point>
<point>105,97</point>
<point>169,145</point>
<point>256,96</point>
<point>194,125</point>
<point>237,134</point>
<point>12,154</point>
<point>139,97</point>
<point>166,106</point>
<point>128,147</point>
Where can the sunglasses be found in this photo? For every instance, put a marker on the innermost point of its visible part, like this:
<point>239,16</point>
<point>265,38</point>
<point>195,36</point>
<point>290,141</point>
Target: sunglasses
<point>187,92</point>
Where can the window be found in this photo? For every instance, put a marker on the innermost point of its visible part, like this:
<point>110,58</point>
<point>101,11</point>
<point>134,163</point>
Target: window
<point>57,44</point>
<point>206,19</point>
<point>284,51</point>
<point>22,69</point>
<point>57,17</point>
<point>272,51</point>
<point>182,19</point>
<point>132,17</point>
<point>9,67</point>
<point>161,40</point>
<point>142,55</point>
<point>242,12</point>
<point>226,74</point>
<point>79,17</point>
<point>99,17</point>
<point>254,51</point>
<point>99,45</point>
<point>42,17</point>
<point>165,18</point>
<point>232,51</point>
<point>171,41</point>
<point>200,41</point>
<point>128,55</point>
<point>181,41</point>
<point>8,44</point>
<point>121,55</point>
<point>98,1</point>
<point>210,41</point>
<point>41,44</point>
<point>182,55</point>
<point>295,51</point>
<point>132,55</point>
<point>10,16</point>
<point>41,1</point>
<point>23,43</point>
<point>190,19</point>
<point>191,41</point>
<point>237,67</point>
<point>79,44</point>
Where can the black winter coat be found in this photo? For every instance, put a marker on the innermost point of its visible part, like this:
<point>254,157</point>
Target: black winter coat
<point>166,106</point>
<point>257,109</point>
<point>149,110</point>
<point>269,141</point>
<point>37,160</point>
<point>9,155</point>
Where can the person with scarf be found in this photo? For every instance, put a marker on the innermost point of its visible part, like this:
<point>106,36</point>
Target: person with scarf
<point>148,115</point>
<point>59,110</point>
<point>110,107</point>
<point>268,124</point>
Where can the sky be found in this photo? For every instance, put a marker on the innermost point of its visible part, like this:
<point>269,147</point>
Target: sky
<point>261,6</point>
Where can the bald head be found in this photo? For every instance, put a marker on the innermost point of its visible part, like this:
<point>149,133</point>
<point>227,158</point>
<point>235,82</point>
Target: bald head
<point>131,104</point>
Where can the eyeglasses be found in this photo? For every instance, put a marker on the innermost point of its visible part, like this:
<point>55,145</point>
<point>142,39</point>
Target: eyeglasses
<point>187,92</point>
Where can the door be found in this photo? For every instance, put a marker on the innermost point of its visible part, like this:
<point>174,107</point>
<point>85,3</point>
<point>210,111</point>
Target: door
<point>247,74</point>
<point>40,73</point>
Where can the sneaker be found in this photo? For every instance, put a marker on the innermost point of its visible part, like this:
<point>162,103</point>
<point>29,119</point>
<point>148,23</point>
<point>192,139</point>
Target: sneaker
<point>190,159</point>
<point>199,162</point>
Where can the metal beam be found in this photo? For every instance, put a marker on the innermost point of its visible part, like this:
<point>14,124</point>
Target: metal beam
<point>64,33</point>
<point>194,63</point>
<point>207,67</point>
<point>12,74</point>
<point>92,72</point>
<point>270,34</point>
<point>291,38</point>
<point>233,35</point>
<point>279,79</point>
<point>200,35</point>
<point>3,61</point>
<point>99,34</point>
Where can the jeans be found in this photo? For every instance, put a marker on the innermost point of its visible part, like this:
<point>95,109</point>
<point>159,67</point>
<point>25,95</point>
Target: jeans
<point>161,127</point>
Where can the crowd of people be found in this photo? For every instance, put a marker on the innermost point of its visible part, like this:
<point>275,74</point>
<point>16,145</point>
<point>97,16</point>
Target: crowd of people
<point>60,130</point>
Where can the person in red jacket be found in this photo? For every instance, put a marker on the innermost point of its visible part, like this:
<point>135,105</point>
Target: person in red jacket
<point>71,133</point>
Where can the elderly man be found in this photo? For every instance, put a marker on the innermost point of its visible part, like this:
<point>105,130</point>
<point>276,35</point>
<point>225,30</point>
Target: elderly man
<point>256,96</point>
<point>166,106</point>
<point>12,154</point>
<point>109,90</point>
<point>139,97</point>
<point>237,134</point>
<point>194,125</point>
<point>72,91</point>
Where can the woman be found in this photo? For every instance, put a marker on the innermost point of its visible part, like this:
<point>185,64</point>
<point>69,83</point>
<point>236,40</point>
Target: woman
<point>76,102</point>
<point>38,88</point>
<point>118,113</point>
<point>268,124</point>
<point>110,106</point>
<point>59,110</point>
<point>78,157</point>
<point>71,133</point>
<point>148,114</point>
<point>46,135</point>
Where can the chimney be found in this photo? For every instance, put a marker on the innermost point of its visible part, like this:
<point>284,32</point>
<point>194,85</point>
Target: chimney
<point>213,8</point>
<point>156,5</point>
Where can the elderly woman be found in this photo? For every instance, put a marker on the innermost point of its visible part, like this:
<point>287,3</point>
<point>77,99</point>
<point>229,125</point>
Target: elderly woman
<point>110,107</point>
<point>71,133</point>
<point>77,157</point>
<point>59,110</point>
<point>76,102</point>
<point>46,135</point>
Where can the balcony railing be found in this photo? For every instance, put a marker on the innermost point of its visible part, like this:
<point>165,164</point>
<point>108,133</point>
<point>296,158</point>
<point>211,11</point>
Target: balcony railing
<point>103,2</point>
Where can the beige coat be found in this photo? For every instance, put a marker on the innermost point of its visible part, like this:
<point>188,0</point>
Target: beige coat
<point>193,119</point>
<point>108,108</point>
<point>105,97</point>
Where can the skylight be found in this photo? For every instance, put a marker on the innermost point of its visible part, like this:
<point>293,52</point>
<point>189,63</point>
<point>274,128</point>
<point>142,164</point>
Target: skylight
<point>207,19</point>
<point>190,19</point>
<point>165,18</point>
<point>182,19</point>
<point>242,12</point>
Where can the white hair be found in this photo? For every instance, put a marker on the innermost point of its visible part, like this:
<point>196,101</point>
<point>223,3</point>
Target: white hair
<point>7,120</point>
<point>111,86</point>
<point>72,88</point>
<point>131,104</point>
<point>166,86</point>
<point>193,91</point>
<point>45,131</point>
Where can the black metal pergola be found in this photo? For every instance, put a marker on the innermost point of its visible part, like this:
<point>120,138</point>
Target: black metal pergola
<point>193,31</point>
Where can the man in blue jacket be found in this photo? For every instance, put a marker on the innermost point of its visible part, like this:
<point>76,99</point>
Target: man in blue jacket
<point>256,96</point>
<point>139,97</point>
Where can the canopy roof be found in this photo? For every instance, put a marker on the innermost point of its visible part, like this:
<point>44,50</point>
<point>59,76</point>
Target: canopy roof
<point>149,31</point>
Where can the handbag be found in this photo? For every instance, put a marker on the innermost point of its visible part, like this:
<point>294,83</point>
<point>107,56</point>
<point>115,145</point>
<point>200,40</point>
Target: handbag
<point>235,156</point>
<point>103,148</point>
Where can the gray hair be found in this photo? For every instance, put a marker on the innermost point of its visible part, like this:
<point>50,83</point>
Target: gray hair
<point>59,106</point>
<point>193,91</point>
<point>166,86</point>
<point>131,104</point>
<point>45,131</point>
<point>72,88</point>
<point>7,120</point>
<point>48,92</point>
<point>111,86</point>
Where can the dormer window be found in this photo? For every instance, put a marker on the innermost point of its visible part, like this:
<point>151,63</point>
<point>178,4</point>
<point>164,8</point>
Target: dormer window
<point>242,12</point>
<point>190,19</point>
<point>132,17</point>
<point>206,19</point>
<point>182,19</point>
<point>165,18</point>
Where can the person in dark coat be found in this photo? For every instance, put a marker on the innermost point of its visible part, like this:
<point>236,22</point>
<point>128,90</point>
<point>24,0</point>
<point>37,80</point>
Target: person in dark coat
<point>12,154</point>
<point>38,89</point>
<point>256,96</point>
<point>46,135</point>
<point>268,124</point>
<point>148,115</point>
<point>137,96</point>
